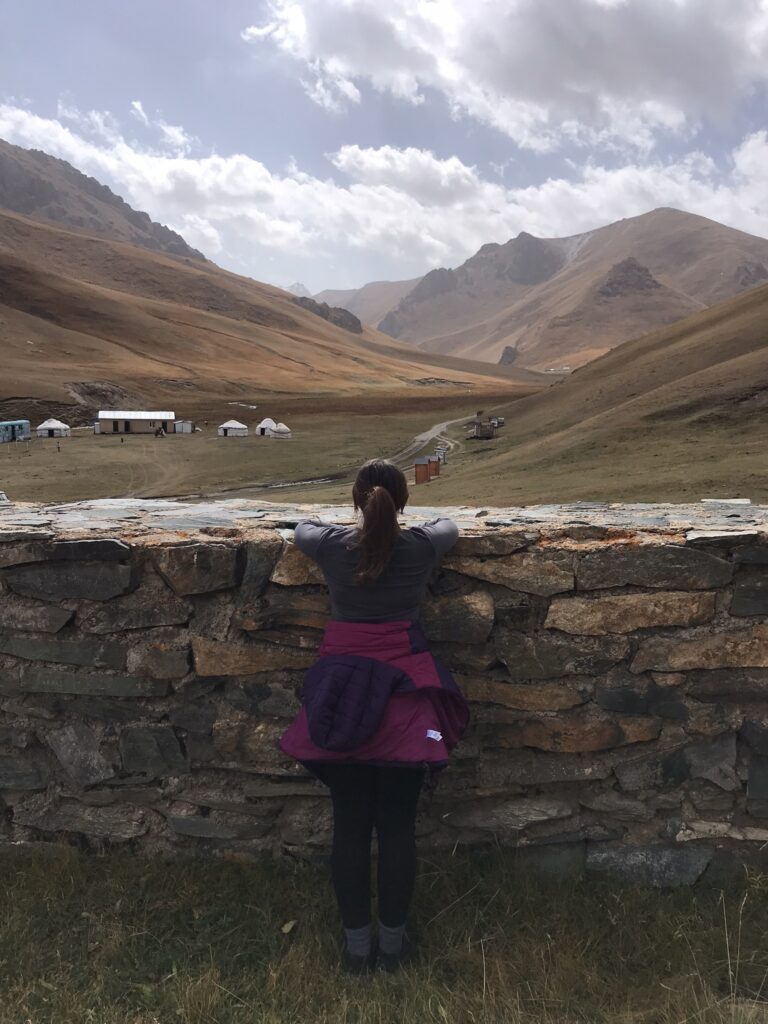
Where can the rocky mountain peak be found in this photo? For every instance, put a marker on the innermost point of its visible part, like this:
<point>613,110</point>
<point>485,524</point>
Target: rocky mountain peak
<point>297,288</point>
<point>436,282</point>
<point>528,260</point>
<point>333,314</point>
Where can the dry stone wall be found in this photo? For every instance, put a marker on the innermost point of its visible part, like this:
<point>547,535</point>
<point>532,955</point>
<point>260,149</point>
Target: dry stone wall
<point>618,680</point>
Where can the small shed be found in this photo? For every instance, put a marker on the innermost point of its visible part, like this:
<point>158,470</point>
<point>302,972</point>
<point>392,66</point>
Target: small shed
<point>482,431</point>
<point>233,428</point>
<point>53,428</point>
<point>265,428</point>
<point>421,471</point>
<point>183,427</point>
<point>15,430</point>
<point>433,461</point>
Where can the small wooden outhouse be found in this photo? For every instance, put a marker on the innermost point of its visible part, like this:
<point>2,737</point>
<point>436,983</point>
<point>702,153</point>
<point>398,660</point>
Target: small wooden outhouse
<point>421,471</point>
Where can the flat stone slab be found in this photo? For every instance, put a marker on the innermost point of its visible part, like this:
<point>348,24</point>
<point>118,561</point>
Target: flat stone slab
<point>624,613</point>
<point>20,773</point>
<point>36,679</point>
<point>76,747</point>
<point>62,581</point>
<point>698,524</point>
<point>655,865</point>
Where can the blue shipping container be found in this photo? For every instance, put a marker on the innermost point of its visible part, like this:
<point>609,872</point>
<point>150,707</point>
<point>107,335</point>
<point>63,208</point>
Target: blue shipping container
<point>15,430</point>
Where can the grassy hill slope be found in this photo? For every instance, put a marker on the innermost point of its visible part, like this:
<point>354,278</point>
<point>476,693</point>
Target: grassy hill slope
<point>86,321</point>
<point>676,415</point>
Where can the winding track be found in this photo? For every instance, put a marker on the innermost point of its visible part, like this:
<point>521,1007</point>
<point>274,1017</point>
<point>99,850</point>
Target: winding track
<point>437,432</point>
<point>402,458</point>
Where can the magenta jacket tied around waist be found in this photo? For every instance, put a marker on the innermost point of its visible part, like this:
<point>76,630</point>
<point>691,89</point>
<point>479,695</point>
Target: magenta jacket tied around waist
<point>377,695</point>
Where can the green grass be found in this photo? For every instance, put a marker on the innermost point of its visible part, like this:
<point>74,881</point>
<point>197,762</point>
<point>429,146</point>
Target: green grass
<point>693,460</point>
<point>125,940</point>
<point>97,467</point>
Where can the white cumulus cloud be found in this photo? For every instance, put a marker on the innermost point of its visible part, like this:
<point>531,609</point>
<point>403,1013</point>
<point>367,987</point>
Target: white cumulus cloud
<point>544,72</point>
<point>411,208</point>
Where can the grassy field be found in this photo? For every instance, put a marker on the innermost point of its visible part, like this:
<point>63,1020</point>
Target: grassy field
<point>692,461</point>
<point>122,940</point>
<point>332,442</point>
<point>688,463</point>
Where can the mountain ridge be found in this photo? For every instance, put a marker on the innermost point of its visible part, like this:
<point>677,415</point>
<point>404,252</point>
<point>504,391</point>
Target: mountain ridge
<point>371,302</point>
<point>518,295</point>
<point>44,187</point>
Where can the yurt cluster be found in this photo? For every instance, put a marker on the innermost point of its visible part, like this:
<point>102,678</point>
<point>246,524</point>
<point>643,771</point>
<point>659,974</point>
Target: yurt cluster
<point>138,421</point>
<point>267,428</point>
<point>112,422</point>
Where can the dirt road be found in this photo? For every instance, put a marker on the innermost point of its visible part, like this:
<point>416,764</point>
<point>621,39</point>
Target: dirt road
<point>435,433</point>
<point>403,458</point>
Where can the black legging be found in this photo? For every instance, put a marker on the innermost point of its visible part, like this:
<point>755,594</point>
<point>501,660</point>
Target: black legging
<point>365,797</point>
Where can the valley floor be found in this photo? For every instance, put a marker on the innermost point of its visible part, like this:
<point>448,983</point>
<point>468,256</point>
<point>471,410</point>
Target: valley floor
<point>681,461</point>
<point>123,940</point>
<point>677,462</point>
<point>331,443</point>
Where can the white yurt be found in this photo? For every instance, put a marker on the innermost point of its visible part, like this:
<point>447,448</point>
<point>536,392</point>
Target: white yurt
<point>265,428</point>
<point>233,428</point>
<point>53,428</point>
<point>282,431</point>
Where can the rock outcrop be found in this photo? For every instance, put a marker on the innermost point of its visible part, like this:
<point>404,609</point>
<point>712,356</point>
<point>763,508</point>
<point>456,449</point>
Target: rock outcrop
<point>627,277</point>
<point>334,314</point>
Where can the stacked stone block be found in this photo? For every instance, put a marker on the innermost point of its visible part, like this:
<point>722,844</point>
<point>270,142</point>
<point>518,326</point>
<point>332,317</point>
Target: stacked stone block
<point>618,683</point>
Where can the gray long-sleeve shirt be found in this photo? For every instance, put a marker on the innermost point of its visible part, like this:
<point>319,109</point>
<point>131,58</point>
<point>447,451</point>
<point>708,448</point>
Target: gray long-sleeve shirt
<point>397,594</point>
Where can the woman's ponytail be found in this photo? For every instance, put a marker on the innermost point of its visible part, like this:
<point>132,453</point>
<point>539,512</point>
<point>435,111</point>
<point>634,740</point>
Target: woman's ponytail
<point>380,492</point>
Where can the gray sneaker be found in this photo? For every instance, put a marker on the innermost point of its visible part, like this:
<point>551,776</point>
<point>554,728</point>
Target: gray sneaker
<point>352,963</point>
<point>392,962</point>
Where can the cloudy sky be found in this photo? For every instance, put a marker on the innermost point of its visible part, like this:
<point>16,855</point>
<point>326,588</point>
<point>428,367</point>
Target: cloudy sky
<point>340,141</point>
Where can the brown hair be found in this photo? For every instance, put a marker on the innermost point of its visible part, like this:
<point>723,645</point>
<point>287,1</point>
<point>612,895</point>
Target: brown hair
<point>380,492</point>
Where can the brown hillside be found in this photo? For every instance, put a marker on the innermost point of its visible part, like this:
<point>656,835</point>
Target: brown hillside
<point>87,322</point>
<point>547,302</point>
<point>676,415</point>
<point>43,187</point>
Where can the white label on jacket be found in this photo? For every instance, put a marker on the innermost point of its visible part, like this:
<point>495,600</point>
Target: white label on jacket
<point>433,734</point>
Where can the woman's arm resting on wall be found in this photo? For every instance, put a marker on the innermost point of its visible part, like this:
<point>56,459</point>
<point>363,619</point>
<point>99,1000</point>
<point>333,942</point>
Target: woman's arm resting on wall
<point>443,533</point>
